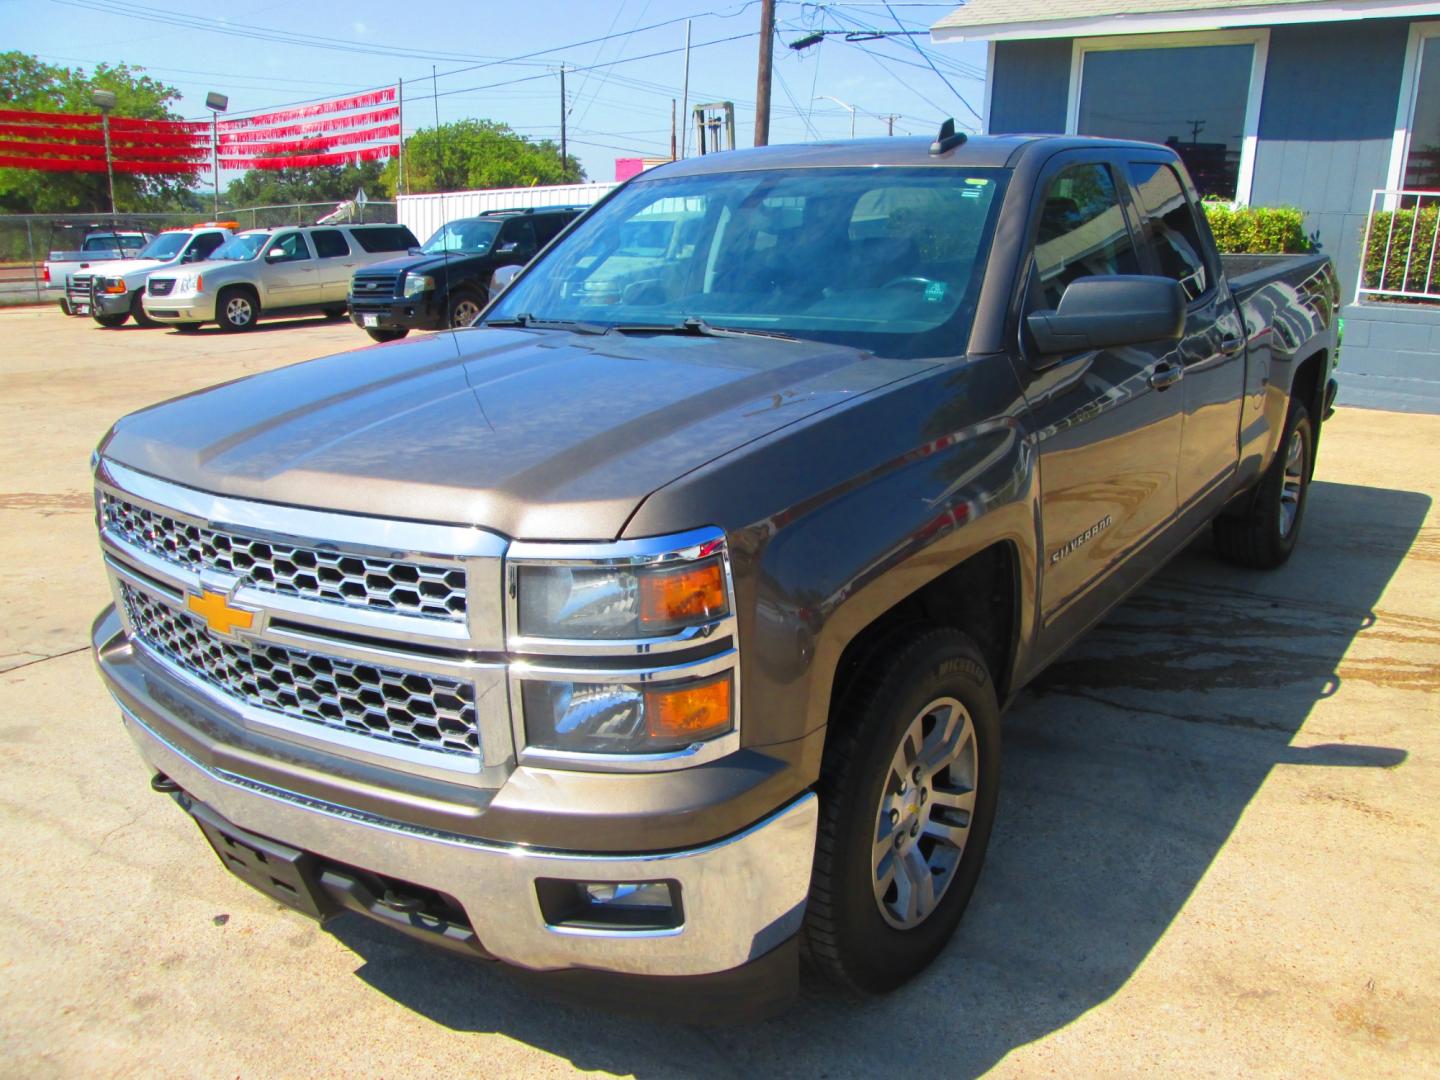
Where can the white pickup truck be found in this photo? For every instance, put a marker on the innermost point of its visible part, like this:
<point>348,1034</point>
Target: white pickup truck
<point>111,292</point>
<point>106,245</point>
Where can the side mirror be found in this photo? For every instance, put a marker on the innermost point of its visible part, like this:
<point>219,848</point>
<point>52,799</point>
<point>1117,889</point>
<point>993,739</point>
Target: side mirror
<point>501,279</point>
<point>192,255</point>
<point>1110,310</point>
<point>275,253</point>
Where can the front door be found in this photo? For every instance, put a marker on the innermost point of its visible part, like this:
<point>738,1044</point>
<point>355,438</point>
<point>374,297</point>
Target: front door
<point>289,278</point>
<point>1212,353</point>
<point>1106,422</point>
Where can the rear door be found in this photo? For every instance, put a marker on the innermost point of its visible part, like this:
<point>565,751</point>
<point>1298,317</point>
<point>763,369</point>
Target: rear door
<point>1212,353</point>
<point>334,263</point>
<point>288,272</point>
<point>1107,438</point>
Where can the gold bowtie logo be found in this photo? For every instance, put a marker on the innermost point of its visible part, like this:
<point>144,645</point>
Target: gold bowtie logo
<point>219,616</point>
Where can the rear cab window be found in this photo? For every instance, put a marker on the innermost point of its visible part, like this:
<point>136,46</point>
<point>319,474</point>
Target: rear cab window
<point>384,238</point>
<point>1170,229</point>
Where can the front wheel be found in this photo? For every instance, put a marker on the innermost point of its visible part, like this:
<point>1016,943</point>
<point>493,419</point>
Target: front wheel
<point>387,334</point>
<point>110,322</point>
<point>1264,536</point>
<point>137,312</point>
<point>907,799</point>
<point>333,313</point>
<point>464,309</point>
<point>237,309</point>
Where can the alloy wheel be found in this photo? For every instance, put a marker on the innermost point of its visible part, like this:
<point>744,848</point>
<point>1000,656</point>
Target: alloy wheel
<point>238,311</point>
<point>1294,482</point>
<point>464,313</point>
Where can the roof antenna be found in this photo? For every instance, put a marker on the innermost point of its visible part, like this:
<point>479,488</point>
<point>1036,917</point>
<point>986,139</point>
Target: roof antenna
<point>949,138</point>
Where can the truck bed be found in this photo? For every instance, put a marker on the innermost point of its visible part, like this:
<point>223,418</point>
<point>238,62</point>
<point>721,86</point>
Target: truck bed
<point>1248,274</point>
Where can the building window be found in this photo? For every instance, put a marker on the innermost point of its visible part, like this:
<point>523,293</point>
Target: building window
<point>1421,164</point>
<point>1198,94</point>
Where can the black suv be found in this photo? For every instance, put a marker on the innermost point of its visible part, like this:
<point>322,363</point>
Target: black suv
<point>447,282</point>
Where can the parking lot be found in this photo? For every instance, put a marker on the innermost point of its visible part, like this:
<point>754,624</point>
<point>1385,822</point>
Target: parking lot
<point>1216,851</point>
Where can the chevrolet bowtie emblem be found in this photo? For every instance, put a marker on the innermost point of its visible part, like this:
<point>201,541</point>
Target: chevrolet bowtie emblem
<point>218,614</point>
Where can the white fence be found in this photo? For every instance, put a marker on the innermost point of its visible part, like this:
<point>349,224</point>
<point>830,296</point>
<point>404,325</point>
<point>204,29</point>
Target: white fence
<point>426,213</point>
<point>1400,259</point>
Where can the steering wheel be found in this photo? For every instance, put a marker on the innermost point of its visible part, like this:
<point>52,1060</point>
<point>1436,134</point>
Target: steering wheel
<point>915,281</point>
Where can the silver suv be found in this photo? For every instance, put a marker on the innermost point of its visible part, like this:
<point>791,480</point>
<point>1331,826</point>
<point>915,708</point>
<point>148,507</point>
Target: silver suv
<point>290,270</point>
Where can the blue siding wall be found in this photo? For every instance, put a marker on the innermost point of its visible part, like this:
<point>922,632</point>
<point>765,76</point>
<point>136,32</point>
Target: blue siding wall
<point>1031,88</point>
<point>1326,123</point>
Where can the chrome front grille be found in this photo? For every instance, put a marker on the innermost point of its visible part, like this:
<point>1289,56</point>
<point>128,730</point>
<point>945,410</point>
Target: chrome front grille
<point>160,286</point>
<point>421,710</point>
<point>406,587</point>
<point>374,286</point>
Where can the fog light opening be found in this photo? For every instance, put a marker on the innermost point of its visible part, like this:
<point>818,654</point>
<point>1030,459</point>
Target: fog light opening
<point>615,906</point>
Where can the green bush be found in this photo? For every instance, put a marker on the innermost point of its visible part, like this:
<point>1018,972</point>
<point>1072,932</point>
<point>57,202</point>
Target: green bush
<point>1257,230</point>
<point>1390,246</point>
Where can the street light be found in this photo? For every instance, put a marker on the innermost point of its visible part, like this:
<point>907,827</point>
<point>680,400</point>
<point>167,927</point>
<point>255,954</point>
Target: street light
<point>844,105</point>
<point>216,103</point>
<point>104,100</point>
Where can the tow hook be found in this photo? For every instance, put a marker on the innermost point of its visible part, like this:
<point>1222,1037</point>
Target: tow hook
<point>405,905</point>
<point>163,784</point>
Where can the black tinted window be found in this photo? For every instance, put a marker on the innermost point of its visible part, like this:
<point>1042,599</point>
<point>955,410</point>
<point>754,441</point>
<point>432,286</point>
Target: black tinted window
<point>548,225</point>
<point>1170,226</point>
<point>205,243</point>
<point>521,233</point>
<point>1082,231</point>
<point>329,243</point>
<point>385,238</point>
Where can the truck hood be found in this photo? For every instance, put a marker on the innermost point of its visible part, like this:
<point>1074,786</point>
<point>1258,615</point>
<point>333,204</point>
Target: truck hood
<point>536,434</point>
<point>420,263</point>
<point>121,267</point>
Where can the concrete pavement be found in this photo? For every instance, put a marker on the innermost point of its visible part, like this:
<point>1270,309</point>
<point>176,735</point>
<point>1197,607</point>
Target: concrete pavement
<point>1216,851</point>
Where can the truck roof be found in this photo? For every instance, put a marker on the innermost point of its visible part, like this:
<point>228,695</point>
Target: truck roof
<point>980,151</point>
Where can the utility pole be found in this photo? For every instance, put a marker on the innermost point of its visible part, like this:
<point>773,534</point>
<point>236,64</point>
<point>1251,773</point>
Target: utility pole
<point>400,115</point>
<point>890,119</point>
<point>685,93</point>
<point>564,161</point>
<point>672,129</point>
<point>762,78</point>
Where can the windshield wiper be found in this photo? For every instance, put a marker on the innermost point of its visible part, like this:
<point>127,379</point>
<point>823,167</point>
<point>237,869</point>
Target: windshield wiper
<point>695,327</point>
<point>527,320</point>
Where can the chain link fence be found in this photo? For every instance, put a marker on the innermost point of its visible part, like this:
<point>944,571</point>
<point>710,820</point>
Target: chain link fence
<point>26,240</point>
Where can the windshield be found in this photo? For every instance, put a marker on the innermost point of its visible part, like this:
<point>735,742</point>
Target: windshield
<point>465,237</point>
<point>165,246</point>
<point>886,260</point>
<point>245,246</point>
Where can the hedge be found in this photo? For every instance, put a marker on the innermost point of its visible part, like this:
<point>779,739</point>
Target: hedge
<point>1257,230</point>
<point>1392,230</point>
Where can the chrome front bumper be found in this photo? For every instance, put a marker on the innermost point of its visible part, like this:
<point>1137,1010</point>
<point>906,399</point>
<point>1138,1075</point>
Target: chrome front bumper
<point>741,896</point>
<point>182,309</point>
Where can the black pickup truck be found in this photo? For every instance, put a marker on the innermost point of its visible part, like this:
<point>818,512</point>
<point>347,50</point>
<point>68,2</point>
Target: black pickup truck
<point>656,630</point>
<point>446,282</point>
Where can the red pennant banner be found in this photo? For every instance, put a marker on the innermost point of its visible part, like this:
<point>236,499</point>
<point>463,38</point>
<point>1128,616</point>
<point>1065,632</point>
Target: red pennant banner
<point>357,101</point>
<point>69,119</point>
<point>314,127</point>
<point>306,161</point>
<point>183,142</point>
<point>198,128</point>
<point>326,142</point>
<point>78,165</point>
<point>86,152</point>
<point>53,132</point>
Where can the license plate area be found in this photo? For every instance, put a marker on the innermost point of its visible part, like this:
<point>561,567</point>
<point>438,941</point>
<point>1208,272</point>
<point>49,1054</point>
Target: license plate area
<point>370,320</point>
<point>82,309</point>
<point>285,874</point>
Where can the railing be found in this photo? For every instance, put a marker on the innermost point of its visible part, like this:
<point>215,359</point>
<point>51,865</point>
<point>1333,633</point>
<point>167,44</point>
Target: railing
<point>1400,259</point>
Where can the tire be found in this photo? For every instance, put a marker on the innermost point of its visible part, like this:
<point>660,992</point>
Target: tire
<point>853,935</point>
<point>237,308</point>
<point>387,335</point>
<point>137,312</point>
<point>333,313</point>
<point>187,327</point>
<point>110,322</point>
<point>463,308</point>
<point>1265,534</point>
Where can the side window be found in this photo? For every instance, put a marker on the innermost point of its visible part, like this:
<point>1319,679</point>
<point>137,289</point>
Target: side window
<point>329,243</point>
<point>1170,228</point>
<point>1082,231</point>
<point>547,225</point>
<point>377,238</point>
<point>521,233</point>
<point>292,246</point>
<point>203,245</point>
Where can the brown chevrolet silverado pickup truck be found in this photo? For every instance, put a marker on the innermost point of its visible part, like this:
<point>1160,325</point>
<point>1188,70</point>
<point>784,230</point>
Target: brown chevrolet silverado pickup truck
<point>657,628</point>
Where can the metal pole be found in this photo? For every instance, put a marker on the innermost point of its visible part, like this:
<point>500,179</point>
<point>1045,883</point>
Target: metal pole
<point>672,129</point>
<point>109,165</point>
<point>564,162</point>
<point>34,266</point>
<point>763,75</point>
<point>215,157</point>
<point>685,93</point>
<point>400,185</point>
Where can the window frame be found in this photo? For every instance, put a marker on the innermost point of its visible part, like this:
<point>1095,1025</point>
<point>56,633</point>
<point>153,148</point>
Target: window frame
<point>1149,257</point>
<point>1258,39</point>
<point>1420,32</point>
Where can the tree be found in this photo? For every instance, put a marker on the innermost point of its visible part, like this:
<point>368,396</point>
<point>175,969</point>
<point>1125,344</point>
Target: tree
<point>475,154</point>
<point>322,183</point>
<point>26,82</point>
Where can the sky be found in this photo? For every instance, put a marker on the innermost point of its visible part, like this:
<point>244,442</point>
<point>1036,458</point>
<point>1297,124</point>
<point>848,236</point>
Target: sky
<point>617,91</point>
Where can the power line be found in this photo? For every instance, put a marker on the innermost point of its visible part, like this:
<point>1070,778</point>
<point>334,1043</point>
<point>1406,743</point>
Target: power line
<point>933,68</point>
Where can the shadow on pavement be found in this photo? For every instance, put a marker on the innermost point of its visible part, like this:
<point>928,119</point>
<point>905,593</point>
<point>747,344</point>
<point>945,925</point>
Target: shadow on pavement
<point>1127,766</point>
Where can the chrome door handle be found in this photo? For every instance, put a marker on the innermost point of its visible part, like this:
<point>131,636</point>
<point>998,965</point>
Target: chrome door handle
<point>1229,346</point>
<point>1166,375</point>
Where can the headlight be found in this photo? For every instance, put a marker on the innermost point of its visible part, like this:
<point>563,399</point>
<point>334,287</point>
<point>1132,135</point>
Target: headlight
<point>113,286</point>
<point>625,718</point>
<point>620,602</point>
<point>415,284</point>
<point>189,283</point>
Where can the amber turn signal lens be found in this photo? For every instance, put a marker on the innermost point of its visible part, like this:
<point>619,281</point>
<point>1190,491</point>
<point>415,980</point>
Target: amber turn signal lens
<point>690,595</point>
<point>691,711</point>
